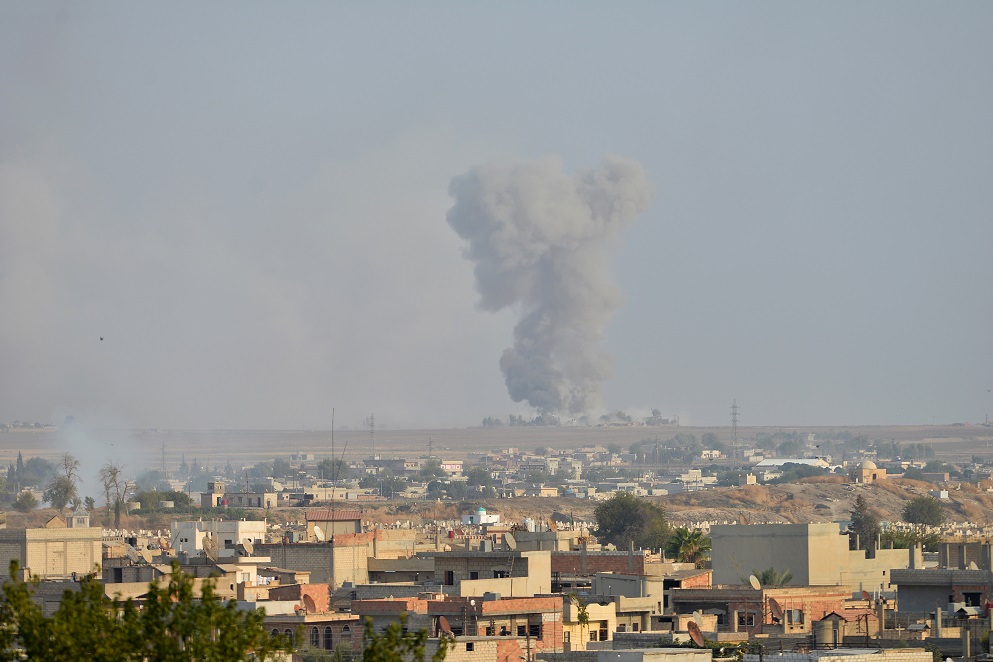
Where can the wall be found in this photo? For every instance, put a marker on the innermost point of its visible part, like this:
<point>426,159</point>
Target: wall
<point>52,553</point>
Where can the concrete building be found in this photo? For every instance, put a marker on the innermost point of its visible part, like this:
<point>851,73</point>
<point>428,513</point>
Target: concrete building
<point>332,521</point>
<point>739,608</point>
<point>188,537</point>
<point>868,472</point>
<point>508,573</point>
<point>815,554</point>
<point>56,552</point>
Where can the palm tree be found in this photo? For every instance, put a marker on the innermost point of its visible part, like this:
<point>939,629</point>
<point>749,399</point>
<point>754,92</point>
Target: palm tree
<point>773,577</point>
<point>688,546</point>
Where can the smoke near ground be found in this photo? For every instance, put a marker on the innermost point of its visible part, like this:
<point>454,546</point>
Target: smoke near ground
<point>541,240</point>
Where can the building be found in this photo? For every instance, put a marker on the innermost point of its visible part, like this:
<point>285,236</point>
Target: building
<point>188,537</point>
<point>332,522</point>
<point>53,552</point>
<point>868,472</point>
<point>815,554</point>
<point>508,573</point>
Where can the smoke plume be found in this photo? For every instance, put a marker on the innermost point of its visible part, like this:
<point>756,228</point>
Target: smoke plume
<point>541,240</point>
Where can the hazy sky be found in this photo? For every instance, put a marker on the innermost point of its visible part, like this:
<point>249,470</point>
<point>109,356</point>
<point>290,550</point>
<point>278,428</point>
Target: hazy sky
<point>248,202</point>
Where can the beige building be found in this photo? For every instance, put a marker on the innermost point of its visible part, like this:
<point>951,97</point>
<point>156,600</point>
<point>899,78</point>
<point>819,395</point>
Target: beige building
<point>51,553</point>
<point>815,554</point>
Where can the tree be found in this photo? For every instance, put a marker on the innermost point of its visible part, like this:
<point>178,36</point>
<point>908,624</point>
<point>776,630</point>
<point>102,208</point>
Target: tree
<point>281,468</point>
<point>582,613</point>
<point>865,526</point>
<point>688,546</point>
<point>624,519</point>
<point>479,477</point>
<point>396,644</point>
<point>114,488</point>
<point>59,491</point>
<point>25,502</point>
<point>773,577</point>
<point>924,511</point>
<point>541,450</point>
<point>431,469</point>
<point>332,469</point>
<point>174,624</point>
<point>90,504</point>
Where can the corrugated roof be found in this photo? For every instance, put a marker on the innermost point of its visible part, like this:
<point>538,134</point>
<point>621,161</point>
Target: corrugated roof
<point>325,515</point>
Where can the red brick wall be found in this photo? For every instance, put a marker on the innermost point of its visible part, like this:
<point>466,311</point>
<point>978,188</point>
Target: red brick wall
<point>571,563</point>
<point>320,593</point>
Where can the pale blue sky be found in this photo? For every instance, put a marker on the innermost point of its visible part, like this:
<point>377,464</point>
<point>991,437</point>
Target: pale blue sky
<point>247,200</point>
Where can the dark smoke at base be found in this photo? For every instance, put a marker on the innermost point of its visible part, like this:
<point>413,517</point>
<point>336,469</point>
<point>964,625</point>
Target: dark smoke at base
<point>541,239</point>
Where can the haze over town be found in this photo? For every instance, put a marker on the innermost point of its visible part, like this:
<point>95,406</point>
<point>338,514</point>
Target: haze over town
<point>253,209</point>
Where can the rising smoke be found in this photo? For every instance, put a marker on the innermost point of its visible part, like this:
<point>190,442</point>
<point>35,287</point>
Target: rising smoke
<point>541,239</point>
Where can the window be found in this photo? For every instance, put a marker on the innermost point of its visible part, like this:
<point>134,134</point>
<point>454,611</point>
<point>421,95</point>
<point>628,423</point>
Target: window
<point>634,627</point>
<point>470,647</point>
<point>534,630</point>
<point>328,638</point>
<point>621,627</point>
<point>315,637</point>
<point>449,578</point>
<point>746,620</point>
<point>275,632</point>
<point>289,634</point>
<point>566,637</point>
<point>794,616</point>
<point>473,575</point>
<point>490,630</point>
<point>522,631</point>
<point>971,599</point>
<point>592,635</point>
<point>346,631</point>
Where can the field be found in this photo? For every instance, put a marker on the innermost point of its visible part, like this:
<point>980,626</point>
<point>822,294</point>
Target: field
<point>950,442</point>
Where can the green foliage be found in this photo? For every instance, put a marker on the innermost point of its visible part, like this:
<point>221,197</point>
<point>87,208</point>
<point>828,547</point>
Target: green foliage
<point>333,469</point>
<point>59,491</point>
<point>150,501</point>
<point>688,546</point>
<point>905,539</point>
<point>913,473</point>
<point>582,613</point>
<point>431,469</point>
<point>173,625</point>
<point>924,511</point>
<point>25,502</point>
<point>773,577</point>
<point>865,525</point>
<point>281,468</point>
<point>624,518</point>
<point>792,472</point>
<point>479,477</point>
<point>395,645</point>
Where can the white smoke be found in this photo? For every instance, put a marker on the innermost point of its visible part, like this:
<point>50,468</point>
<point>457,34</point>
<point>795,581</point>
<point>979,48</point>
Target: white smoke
<point>541,239</point>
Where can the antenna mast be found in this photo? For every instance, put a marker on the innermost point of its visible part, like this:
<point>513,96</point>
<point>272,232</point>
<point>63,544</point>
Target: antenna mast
<point>372,433</point>
<point>734,430</point>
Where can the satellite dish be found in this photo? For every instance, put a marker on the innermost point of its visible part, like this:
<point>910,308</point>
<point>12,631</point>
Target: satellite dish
<point>754,581</point>
<point>318,533</point>
<point>210,548</point>
<point>695,633</point>
<point>146,555</point>
<point>777,609</point>
<point>132,553</point>
<point>249,547</point>
<point>698,617</point>
<point>866,596</point>
<point>309,603</point>
<point>973,566</point>
<point>444,626</point>
<point>552,526</point>
<point>510,540</point>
